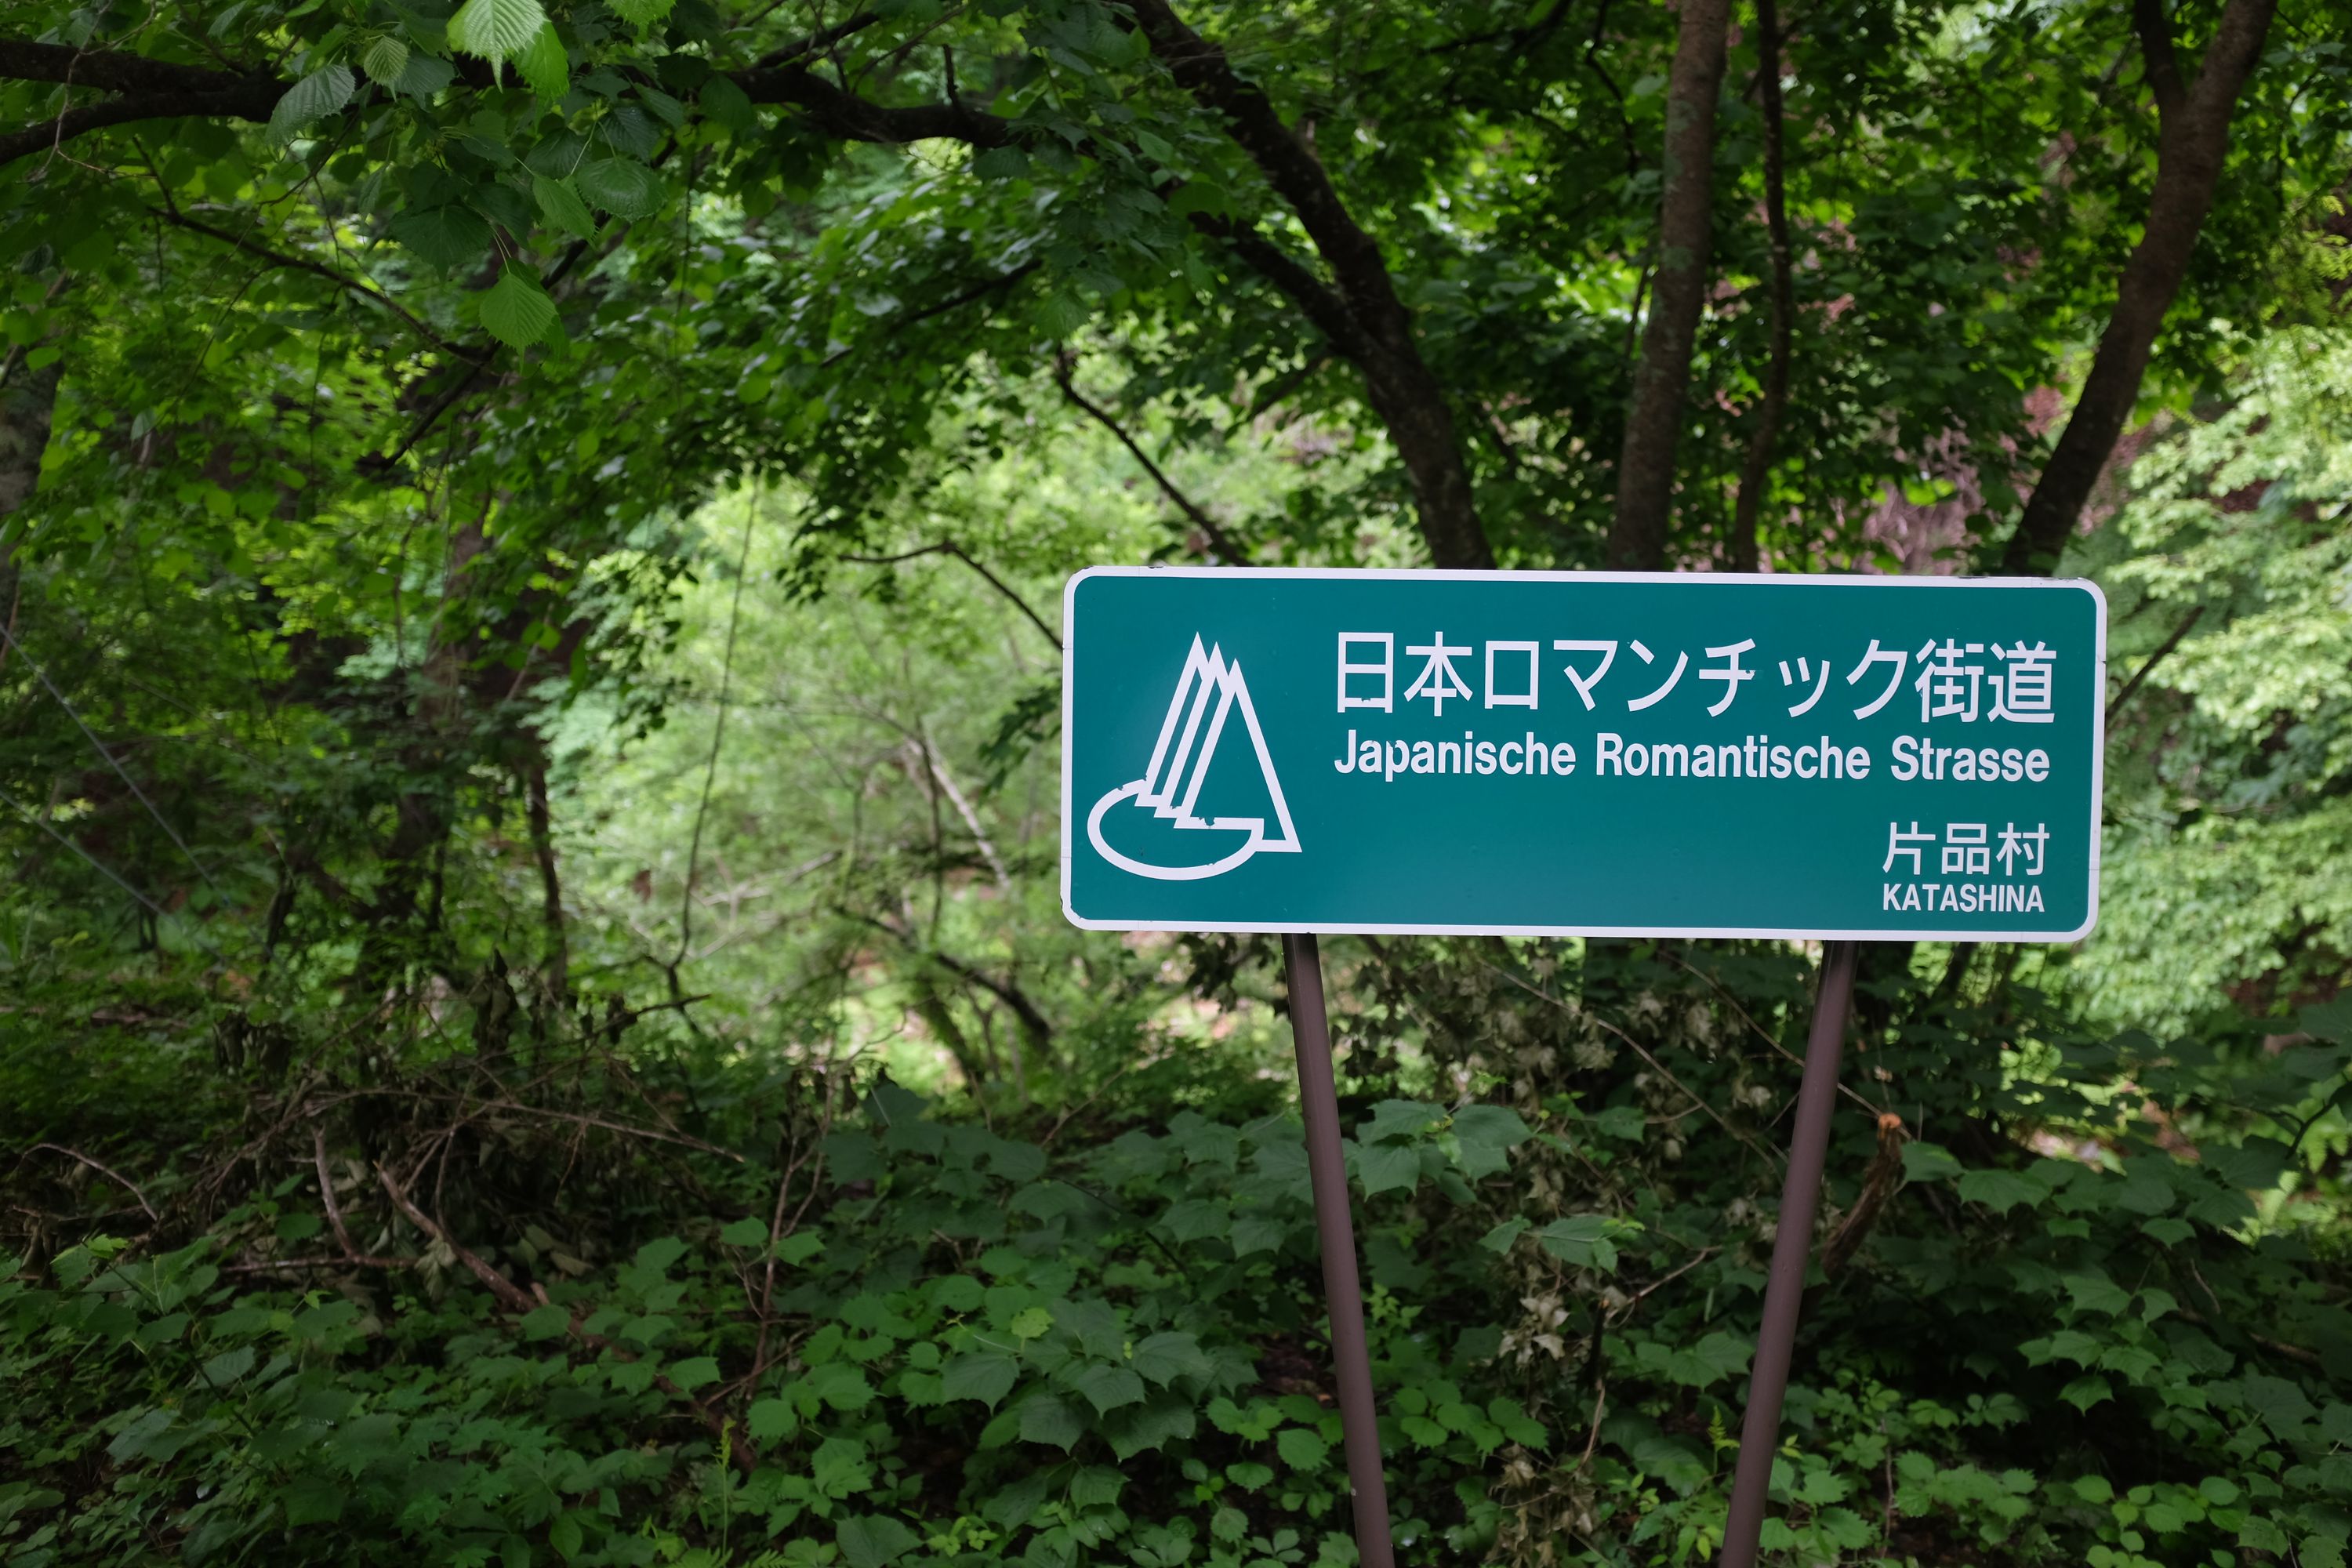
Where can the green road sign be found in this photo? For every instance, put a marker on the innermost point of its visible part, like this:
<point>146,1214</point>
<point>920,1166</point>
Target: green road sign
<point>1531,753</point>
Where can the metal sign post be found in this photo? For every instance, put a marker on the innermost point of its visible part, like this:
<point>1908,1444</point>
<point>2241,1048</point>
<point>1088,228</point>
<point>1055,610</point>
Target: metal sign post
<point>1793,1250</point>
<point>1327,1167</point>
<point>1582,754</point>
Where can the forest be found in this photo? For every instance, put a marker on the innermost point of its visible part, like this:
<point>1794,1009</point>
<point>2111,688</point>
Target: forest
<point>537,1020</point>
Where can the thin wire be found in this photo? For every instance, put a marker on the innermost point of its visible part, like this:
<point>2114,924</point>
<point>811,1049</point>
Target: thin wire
<point>169,831</point>
<point>104,871</point>
<point>717,734</point>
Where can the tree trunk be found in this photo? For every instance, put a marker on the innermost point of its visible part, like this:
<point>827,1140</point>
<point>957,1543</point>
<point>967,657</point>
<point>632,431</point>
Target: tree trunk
<point>1757,470</point>
<point>1377,333</point>
<point>1645,465</point>
<point>2192,142</point>
<point>558,959</point>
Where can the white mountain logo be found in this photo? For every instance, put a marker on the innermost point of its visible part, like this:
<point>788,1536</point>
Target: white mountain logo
<point>1170,786</point>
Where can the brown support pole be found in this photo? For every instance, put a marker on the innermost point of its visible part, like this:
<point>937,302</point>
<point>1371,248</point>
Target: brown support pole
<point>1319,1102</point>
<point>1792,1249</point>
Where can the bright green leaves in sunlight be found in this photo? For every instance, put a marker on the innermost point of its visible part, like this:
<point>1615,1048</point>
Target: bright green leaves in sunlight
<point>385,61</point>
<point>311,100</point>
<point>516,311</point>
<point>498,30</point>
<point>544,65</point>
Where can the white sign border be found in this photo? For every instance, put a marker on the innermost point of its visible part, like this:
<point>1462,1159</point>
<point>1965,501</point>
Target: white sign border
<point>1767,579</point>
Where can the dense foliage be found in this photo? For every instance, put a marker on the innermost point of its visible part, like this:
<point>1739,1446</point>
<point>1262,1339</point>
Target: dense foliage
<point>535,1021</point>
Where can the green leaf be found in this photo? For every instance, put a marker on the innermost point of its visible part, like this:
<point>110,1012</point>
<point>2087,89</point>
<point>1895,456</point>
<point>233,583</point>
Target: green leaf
<point>984,1376</point>
<point>1165,1357</point>
<point>1499,1239</point>
<point>772,1418</point>
<point>869,1542</point>
<point>545,1323</point>
<point>1061,314</point>
<point>1018,1503</point>
<point>564,1535</point>
<point>425,76</point>
<point>726,104</point>
<point>313,98</point>
<point>1046,1418</point>
<point>643,13</point>
<point>311,1499</point>
<point>1109,1387</point>
<point>1580,1241</point>
<point>544,66</point>
<point>698,1371</point>
<point>2086,1391</point>
<point>517,310</point>
<point>496,30</point>
<point>1398,1118</point>
<point>1001,163</point>
<point>841,1385</point>
<point>449,238</point>
<point>1030,1322</point>
<point>228,1366</point>
<point>385,61</point>
<point>1386,1166</point>
<point>749,1231</point>
<point>622,186</point>
<point>1301,1449</point>
<point>1925,1162</point>
<point>2000,1191</point>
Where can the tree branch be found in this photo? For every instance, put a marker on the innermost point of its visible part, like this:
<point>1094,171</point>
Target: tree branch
<point>1403,392</point>
<point>1645,463</point>
<point>174,215</point>
<point>948,547</point>
<point>2192,144</point>
<point>1757,468</point>
<point>1219,539</point>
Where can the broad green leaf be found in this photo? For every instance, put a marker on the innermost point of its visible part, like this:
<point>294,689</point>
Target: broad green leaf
<point>643,13</point>
<point>841,1385</point>
<point>984,1376</point>
<point>1061,314</point>
<point>2000,1191</point>
<point>749,1231</point>
<point>545,1323</point>
<point>2086,1391</point>
<point>1499,1239</point>
<point>544,67</point>
<point>385,61</point>
<point>870,1542</point>
<point>1139,1428</point>
<point>426,75</point>
<point>564,1535</point>
<point>1048,1418</point>
<point>726,104</point>
<point>1580,1241</point>
<point>449,238</point>
<point>1030,1322</point>
<point>622,186</point>
<point>1018,1503</point>
<point>772,1418</point>
<point>1301,1449</point>
<point>1398,1118</point>
<point>1109,1387</point>
<point>1925,1162</point>
<point>1384,1166</point>
<point>311,1499</point>
<point>1165,1357</point>
<point>517,310</point>
<point>1001,163</point>
<point>496,30</point>
<point>228,1366</point>
<point>698,1372</point>
<point>313,98</point>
